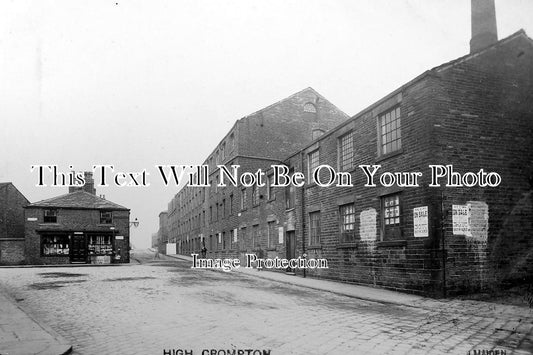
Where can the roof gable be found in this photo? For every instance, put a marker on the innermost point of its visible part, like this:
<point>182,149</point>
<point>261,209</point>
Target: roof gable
<point>78,200</point>
<point>519,34</point>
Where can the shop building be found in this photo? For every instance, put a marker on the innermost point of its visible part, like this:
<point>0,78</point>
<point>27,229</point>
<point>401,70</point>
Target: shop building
<point>78,227</point>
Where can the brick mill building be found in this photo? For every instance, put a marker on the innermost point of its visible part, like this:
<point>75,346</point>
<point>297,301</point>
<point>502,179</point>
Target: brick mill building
<point>78,227</point>
<point>12,203</point>
<point>474,114</point>
<point>215,215</point>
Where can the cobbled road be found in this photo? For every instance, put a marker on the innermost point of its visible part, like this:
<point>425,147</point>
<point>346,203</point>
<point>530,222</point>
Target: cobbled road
<point>164,307</point>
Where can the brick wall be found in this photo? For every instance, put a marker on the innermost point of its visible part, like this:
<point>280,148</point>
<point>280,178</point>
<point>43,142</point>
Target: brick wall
<point>12,204</point>
<point>485,120</point>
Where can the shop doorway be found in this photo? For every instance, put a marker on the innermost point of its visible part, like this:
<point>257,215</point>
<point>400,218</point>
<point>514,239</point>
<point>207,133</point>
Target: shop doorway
<point>78,249</point>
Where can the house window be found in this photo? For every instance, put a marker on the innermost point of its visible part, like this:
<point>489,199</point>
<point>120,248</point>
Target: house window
<point>346,152</point>
<point>224,208</point>
<point>233,239</point>
<point>255,195</point>
<point>106,217</point>
<point>50,216</point>
<point>100,245</point>
<point>256,236</point>
<point>55,245</point>
<point>309,107</point>
<point>243,239</point>
<point>314,228</point>
<point>347,223</point>
<point>243,199</point>
<point>290,194</point>
<point>390,131</point>
<point>271,234</point>
<point>231,204</point>
<point>313,163</point>
<point>224,241</point>
<point>231,142</point>
<point>270,189</point>
<point>390,206</point>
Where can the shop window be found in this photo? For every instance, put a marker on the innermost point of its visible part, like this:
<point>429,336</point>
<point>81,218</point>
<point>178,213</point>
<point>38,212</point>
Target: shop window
<point>314,228</point>
<point>100,245</point>
<point>106,217</point>
<point>50,216</point>
<point>347,223</point>
<point>55,245</point>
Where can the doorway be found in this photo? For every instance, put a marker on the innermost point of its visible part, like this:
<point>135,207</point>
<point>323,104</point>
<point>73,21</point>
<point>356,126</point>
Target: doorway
<point>290,247</point>
<point>78,249</point>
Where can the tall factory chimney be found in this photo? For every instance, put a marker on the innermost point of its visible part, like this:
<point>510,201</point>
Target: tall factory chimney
<point>484,32</point>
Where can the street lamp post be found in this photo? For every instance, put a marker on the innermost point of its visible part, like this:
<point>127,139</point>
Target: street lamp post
<point>135,224</point>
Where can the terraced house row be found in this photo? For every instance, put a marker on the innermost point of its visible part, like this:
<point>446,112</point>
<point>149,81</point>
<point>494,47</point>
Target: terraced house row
<point>467,118</point>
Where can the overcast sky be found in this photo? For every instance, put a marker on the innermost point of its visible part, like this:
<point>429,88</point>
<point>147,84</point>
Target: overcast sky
<point>140,83</point>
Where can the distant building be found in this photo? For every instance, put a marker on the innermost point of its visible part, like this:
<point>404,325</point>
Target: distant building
<point>162,233</point>
<point>12,203</point>
<point>78,227</point>
<point>155,241</point>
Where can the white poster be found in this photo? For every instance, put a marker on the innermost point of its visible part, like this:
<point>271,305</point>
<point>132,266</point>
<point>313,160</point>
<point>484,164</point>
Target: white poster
<point>280,235</point>
<point>235,235</point>
<point>420,221</point>
<point>461,220</point>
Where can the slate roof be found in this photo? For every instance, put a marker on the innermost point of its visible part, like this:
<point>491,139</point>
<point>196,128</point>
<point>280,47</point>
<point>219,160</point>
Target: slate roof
<point>78,200</point>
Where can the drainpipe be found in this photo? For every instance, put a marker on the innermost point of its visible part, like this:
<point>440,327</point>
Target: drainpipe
<point>443,245</point>
<point>302,205</point>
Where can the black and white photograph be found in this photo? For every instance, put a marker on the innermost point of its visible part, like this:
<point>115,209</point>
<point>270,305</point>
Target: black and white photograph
<point>266,177</point>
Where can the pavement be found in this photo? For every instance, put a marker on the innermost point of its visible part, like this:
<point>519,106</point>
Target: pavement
<point>22,334</point>
<point>345,289</point>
